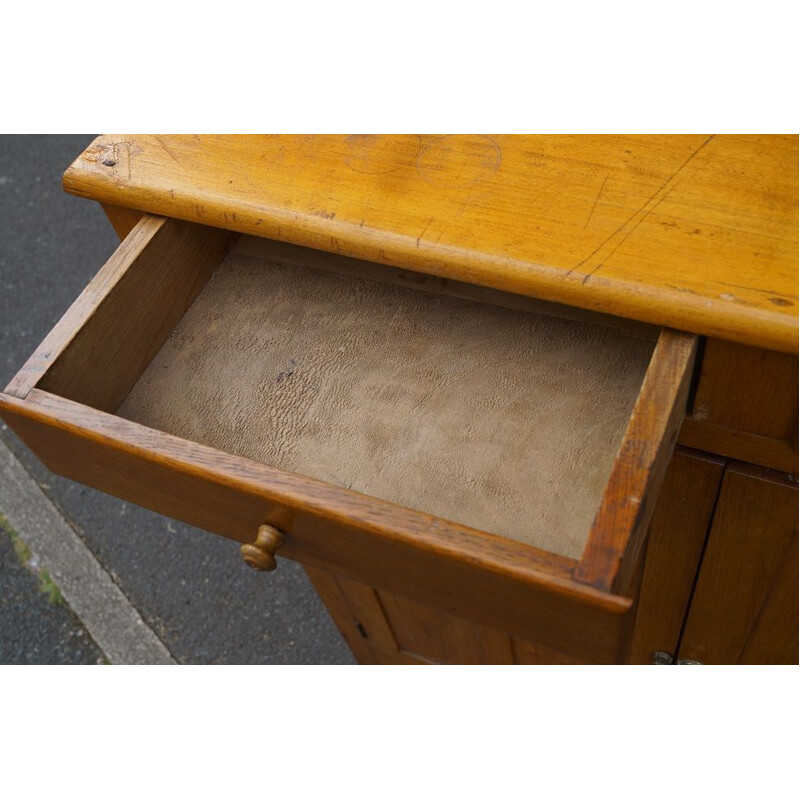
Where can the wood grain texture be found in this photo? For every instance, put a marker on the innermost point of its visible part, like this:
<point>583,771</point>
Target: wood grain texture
<point>436,636</point>
<point>613,550</point>
<point>123,220</point>
<point>98,349</point>
<point>773,639</point>
<point>675,543</point>
<point>695,232</point>
<point>346,620</point>
<point>532,653</point>
<point>99,288</point>
<point>498,646</point>
<point>748,389</point>
<point>260,554</point>
<point>383,628</point>
<point>488,580</point>
<point>366,606</point>
<point>770,453</point>
<point>743,607</point>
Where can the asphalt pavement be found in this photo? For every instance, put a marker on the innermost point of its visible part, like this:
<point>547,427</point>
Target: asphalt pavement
<point>189,586</point>
<point>36,625</point>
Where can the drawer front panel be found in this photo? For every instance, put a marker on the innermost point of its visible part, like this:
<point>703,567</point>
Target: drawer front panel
<point>745,406</point>
<point>483,578</point>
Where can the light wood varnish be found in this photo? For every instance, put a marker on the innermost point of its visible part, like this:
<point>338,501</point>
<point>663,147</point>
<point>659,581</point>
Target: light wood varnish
<point>694,232</point>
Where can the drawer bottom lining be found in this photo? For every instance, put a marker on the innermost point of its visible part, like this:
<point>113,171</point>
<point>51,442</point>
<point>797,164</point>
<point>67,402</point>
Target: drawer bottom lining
<point>503,420</point>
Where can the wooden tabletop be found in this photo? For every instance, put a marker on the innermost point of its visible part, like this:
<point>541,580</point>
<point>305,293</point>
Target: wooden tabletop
<point>695,232</point>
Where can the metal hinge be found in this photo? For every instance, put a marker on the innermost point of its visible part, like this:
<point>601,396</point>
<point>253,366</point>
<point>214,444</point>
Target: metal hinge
<point>660,657</point>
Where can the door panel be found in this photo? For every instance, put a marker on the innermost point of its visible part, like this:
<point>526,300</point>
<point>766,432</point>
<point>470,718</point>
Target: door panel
<point>744,609</point>
<point>675,546</point>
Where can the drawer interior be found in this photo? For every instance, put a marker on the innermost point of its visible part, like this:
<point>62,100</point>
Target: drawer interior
<point>503,419</point>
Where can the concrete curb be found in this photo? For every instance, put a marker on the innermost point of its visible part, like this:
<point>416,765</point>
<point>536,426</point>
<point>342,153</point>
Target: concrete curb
<point>112,621</point>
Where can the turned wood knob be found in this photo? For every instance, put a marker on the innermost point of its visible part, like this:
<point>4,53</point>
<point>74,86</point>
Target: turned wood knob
<point>261,554</point>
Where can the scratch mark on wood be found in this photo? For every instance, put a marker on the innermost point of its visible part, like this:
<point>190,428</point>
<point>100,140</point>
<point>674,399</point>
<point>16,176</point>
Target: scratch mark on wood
<point>122,158</point>
<point>653,198</point>
<point>167,150</point>
<point>596,200</point>
<point>682,289</point>
<point>628,234</point>
<point>760,291</point>
<point>427,225</point>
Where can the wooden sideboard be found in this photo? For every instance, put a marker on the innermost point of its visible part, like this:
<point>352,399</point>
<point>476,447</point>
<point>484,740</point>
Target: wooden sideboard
<point>510,400</point>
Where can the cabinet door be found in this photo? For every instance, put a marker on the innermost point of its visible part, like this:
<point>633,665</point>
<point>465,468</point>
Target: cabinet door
<point>382,628</point>
<point>675,547</point>
<point>744,609</point>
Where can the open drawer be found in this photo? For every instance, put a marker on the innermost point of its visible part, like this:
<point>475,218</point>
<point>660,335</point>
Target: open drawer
<point>461,447</point>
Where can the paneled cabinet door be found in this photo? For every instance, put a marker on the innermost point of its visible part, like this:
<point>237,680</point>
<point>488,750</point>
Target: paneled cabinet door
<point>745,605</point>
<point>678,533</point>
<point>382,628</point>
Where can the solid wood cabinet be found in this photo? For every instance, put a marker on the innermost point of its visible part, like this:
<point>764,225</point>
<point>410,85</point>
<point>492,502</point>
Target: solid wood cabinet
<point>455,403</point>
<point>114,397</point>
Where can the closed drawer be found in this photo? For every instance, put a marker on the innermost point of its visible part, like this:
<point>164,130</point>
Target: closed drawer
<point>745,405</point>
<point>453,445</point>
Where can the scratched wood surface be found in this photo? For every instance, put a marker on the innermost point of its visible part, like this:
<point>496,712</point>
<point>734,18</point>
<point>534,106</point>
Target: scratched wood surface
<point>695,232</point>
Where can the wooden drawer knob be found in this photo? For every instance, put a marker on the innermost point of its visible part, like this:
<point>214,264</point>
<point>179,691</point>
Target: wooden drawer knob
<point>261,554</point>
